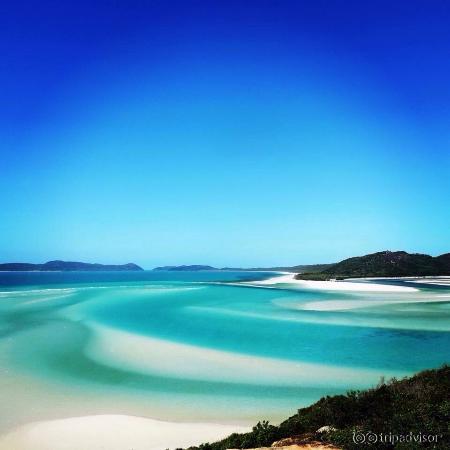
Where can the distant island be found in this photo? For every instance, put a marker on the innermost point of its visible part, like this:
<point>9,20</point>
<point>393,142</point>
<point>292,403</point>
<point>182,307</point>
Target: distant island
<point>67,266</point>
<point>380,264</point>
<point>383,264</point>
<point>293,269</point>
<point>191,268</point>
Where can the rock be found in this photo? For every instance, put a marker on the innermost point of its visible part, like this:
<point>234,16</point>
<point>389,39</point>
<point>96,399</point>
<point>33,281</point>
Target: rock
<point>305,438</point>
<point>302,442</point>
<point>326,429</point>
<point>313,445</point>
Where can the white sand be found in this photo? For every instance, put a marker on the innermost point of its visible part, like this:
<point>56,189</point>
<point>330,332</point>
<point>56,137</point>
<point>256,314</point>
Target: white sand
<point>344,305</point>
<point>442,280</point>
<point>112,432</point>
<point>143,354</point>
<point>341,305</point>
<point>439,281</point>
<point>360,286</point>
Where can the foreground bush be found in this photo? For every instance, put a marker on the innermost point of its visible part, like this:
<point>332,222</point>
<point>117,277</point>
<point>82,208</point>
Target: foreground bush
<point>405,409</point>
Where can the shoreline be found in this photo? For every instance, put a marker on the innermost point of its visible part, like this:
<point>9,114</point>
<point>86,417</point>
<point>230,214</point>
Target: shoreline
<point>334,285</point>
<point>112,432</point>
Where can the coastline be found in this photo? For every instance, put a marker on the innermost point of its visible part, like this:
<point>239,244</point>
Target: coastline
<point>112,432</point>
<point>362,286</point>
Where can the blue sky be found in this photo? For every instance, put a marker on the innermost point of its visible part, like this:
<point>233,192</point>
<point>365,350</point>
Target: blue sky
<point>226,133</point>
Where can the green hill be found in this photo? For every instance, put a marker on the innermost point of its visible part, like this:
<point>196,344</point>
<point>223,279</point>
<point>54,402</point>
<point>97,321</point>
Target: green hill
<point>384,264</point>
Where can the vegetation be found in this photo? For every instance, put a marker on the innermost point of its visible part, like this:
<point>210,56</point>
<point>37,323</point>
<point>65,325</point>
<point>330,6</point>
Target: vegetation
<point>384,264</point>
<point>419,405</point>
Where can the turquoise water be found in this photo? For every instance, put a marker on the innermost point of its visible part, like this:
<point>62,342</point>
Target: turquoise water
<point>191,346</point>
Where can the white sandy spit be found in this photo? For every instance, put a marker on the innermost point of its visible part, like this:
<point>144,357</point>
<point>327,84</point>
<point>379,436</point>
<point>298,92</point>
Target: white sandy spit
<point>344,305</point>
<point>112,432</point>
<point>439,281</point>
<point>144,354</point>
<point>361,286</point>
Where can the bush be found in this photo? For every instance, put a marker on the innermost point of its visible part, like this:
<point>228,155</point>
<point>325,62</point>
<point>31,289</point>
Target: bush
<point>420,404</point>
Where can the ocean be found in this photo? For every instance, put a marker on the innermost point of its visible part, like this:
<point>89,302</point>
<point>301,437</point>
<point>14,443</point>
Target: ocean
<point>202,346</point>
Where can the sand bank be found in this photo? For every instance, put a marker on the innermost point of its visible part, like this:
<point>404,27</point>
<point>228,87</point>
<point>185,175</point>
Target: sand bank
<point>438,281</point>
<point>143,354</point>
<point>112,432</point>
<point>360,286</point>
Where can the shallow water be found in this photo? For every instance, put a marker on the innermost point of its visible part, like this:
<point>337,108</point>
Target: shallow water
<point>193,346</point>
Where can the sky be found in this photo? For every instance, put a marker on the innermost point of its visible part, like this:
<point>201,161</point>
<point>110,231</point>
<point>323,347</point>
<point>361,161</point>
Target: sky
<point>230,133</point>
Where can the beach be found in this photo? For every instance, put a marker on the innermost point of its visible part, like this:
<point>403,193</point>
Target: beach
<point>359,285</point>
<point>112,432</point>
